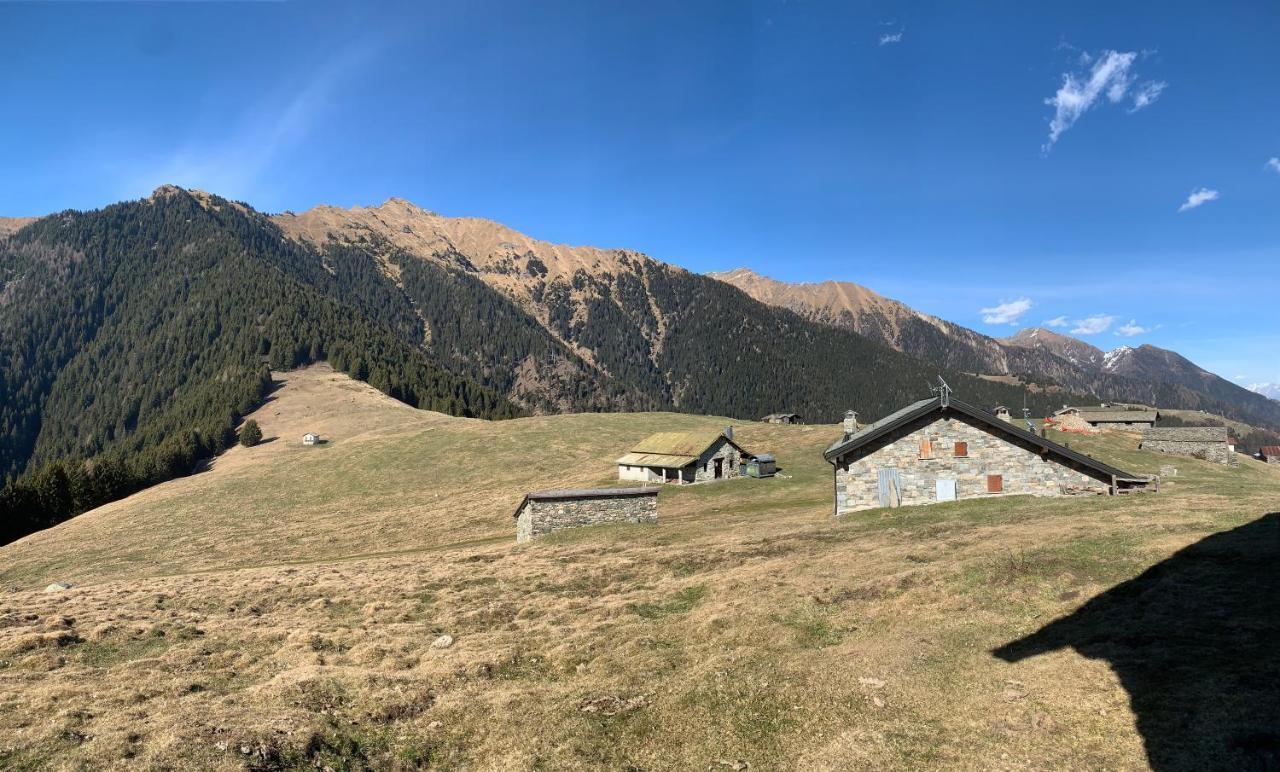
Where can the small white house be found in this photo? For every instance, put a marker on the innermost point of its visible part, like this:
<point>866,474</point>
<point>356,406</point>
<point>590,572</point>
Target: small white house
<point>310,438</point>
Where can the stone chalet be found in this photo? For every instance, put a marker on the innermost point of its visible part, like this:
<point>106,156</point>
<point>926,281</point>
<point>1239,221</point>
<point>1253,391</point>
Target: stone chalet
<point>943,449</point>
<point>1106,417</point>
<point>1206,442</point>
<point>782,418</point>
<point>684,457</point>
<point>1270,454</point>
<point>542,512</point>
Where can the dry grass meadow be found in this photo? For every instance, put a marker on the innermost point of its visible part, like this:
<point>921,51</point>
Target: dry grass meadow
<point>279,610</point>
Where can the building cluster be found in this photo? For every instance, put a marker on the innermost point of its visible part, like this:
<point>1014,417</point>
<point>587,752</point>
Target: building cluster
<point>935,450</point>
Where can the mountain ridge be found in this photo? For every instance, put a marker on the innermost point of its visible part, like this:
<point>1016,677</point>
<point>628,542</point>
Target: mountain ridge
<point>1034,355</point>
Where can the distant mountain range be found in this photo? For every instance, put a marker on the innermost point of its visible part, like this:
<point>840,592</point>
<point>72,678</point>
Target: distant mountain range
<point>133,338</point>
<point>1048,360</point>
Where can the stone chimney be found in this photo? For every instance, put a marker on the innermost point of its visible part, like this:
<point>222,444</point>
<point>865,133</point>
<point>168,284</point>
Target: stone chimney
<point>850,423</point>
<point>728,432</point>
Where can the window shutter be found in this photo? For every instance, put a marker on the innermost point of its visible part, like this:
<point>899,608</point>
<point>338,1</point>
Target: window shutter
<point>962,449</point>
<point>926,449</point>
<point>995,483</point>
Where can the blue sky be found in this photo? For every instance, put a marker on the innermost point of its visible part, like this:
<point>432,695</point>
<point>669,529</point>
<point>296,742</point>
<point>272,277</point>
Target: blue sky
<point>1039,164</point>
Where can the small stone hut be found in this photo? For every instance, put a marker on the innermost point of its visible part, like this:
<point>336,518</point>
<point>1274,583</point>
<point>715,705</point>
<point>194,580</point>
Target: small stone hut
<point>943,449</point>
<point>1270,454</point>
<point>683,458</point>
<point>782,418</point>
<point>1114,418</point>
<point>542,512</point>
<point>1206,442</point>
<point>310,438</point>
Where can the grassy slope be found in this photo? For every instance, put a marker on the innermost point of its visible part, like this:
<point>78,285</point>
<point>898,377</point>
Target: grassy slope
<point>285,603</point>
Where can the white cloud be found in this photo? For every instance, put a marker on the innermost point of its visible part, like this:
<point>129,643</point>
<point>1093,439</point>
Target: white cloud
<point>1273,164</point>
<point>890,37</point>
<point>1092,325</point>
<point>1008,312</point>
<point>1057,321</point>
<point>1111,73</point>
<point>1133,328</point>
<point>1147,94</point>
<point>1198,197</point>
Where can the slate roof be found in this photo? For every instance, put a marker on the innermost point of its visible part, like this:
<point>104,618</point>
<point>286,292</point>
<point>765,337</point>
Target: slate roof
<point>674,450</point>
<point>1186,434</point>
<point>585,493</point>
<point>1119,416</point>
<point>926,406</point>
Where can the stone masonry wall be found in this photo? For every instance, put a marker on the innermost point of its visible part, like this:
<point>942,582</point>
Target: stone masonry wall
<point>1024,469</point>
<point>704,469</point>
<point>540,517</point>
<point>1217,452</point>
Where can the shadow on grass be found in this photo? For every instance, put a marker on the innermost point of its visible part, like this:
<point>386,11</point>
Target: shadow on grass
<point>1195,641</point>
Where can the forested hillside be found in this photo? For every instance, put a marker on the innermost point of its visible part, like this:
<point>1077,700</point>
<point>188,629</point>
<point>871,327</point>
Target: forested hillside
<point>136,336</point>
<point>133,338</point>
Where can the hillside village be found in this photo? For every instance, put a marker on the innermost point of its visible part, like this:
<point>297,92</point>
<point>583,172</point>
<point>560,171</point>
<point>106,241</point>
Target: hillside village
<point>379,608</point>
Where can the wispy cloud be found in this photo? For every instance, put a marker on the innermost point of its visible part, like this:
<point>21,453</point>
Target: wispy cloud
<point>1147,94</point>
<point>1198,197</point>
<point>889,38</point>
<point>1057,321</point>
<point>237,161</point>
<point>1110,75</point>
<point>1133,328</point>
<point>1007,312</point>
<point>1273,164</point>
<point>1092,325</point>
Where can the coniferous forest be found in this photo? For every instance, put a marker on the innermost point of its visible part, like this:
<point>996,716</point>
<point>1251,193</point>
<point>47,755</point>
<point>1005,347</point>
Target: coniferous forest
<point>133,339</point>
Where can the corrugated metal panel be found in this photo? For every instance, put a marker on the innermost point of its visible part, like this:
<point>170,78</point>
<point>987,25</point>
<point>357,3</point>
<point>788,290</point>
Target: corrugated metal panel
<point>657,459</point>
<point>678,443</point>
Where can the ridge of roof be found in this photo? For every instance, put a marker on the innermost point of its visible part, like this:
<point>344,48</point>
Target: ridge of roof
<point>924,407</point>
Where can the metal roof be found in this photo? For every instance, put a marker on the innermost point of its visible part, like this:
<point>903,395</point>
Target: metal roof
<point>585,493</point>
<point>1270,450</point>
<point>692,443</point>
<point>657,459</point>
<point>1186,433</point>
<point>926,406</point>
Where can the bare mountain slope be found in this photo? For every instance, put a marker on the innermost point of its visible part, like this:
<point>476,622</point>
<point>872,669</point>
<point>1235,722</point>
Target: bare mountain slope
<point>1146,373</point>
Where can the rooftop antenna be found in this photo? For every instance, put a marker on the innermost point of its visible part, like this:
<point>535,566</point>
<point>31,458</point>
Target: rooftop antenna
<point>942,390</point>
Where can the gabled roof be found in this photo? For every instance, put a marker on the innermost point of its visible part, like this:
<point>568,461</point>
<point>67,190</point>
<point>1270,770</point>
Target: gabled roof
<point>1100,414</point>
<point>1270,450</point>
<point>674,449</point>
<point>926,406</point>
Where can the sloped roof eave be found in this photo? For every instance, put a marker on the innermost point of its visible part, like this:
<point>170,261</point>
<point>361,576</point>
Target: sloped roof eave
<point>924,408</point>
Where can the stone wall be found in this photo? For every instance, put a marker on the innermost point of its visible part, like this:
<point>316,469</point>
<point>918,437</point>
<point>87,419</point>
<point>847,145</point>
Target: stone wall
<point>1022,466</point>
<point>1217,452</point>
<point>542,516</point>
<point>731,460</point>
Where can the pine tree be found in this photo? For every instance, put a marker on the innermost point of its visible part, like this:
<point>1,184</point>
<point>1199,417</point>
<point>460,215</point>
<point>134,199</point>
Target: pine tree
<point>250,434</point>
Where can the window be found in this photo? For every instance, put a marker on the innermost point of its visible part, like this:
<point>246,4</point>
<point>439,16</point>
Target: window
<point>995,483</point>
<point>962,449</point>
<point>926,449</point>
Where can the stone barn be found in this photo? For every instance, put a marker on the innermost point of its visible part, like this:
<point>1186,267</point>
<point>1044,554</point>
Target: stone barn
<point>1114,418</point>
<point>683,458</point>
<point>782,418</point>
<point>542,512</point>
<point>1206,442</point>
<point>1270,454</point>
<point>943,449</point>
